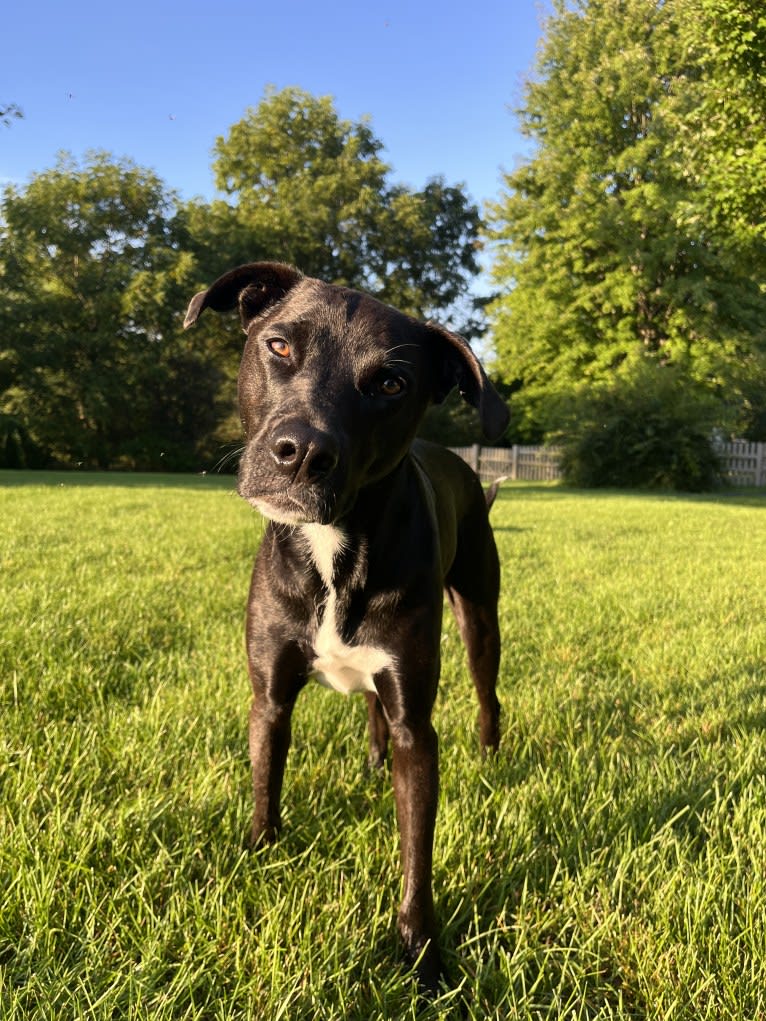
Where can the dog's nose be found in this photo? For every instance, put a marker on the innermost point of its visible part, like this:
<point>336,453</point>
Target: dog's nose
<point>300,450</point>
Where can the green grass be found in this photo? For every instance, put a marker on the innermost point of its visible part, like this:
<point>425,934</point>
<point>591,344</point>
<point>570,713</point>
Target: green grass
<point>610,862</point>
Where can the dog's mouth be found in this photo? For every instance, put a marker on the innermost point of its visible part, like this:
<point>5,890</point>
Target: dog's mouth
<point>308,505</point>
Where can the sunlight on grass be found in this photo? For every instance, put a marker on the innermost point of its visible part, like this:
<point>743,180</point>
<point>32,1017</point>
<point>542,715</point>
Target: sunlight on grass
<point>607,863</point>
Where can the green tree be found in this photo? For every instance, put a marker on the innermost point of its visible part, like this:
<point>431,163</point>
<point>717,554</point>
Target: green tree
<point>718,118</point>
<point>606,254</point>
<point>718,125</point>
<point>94,367</point>
<point>304,186</point>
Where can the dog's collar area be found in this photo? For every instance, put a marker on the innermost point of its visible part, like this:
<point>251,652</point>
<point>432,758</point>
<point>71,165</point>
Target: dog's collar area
<point>325,543</point>
<point>338,664</point>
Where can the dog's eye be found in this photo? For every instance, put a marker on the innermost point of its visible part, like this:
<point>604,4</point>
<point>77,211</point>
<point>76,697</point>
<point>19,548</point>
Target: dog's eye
<point>279,347</point>
<point>390,386</point>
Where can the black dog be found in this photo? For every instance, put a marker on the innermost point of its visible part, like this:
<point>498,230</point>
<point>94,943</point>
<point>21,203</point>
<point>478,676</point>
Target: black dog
<point>367,527</point>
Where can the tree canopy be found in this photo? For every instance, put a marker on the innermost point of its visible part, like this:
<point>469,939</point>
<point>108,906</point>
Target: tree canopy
<point>629,234</point>
<point>93,365</point>
<point>633,239</point>
<point>98,259</point>
<point>304,186</point>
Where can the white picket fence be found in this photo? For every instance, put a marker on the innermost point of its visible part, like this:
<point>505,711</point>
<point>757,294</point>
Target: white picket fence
<point>743,463</point>
<point>532,464</point>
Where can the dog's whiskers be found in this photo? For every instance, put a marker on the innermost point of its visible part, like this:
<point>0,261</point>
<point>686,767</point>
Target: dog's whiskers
<point>221,464</point>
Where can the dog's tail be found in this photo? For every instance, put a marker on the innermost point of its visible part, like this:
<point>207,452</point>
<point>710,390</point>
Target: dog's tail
<point>491,491</point>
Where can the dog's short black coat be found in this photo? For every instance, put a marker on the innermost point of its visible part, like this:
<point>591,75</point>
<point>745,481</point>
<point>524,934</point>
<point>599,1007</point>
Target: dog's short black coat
<point>368,527</point>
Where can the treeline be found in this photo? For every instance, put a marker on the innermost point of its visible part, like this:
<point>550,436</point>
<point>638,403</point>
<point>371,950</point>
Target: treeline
<point>99,259</point>
<point>631,247</point>
<point>629,259</point>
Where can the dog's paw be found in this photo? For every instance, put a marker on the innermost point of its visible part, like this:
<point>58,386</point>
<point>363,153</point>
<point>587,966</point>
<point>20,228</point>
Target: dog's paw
<point>262,834</point>
<point>422,954</point>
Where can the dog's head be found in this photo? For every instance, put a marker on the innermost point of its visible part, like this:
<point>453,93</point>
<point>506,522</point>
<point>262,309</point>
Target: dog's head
<point>332,387</point>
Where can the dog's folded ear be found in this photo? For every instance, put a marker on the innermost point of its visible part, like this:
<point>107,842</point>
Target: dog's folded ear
<point>254,287</point>
<point>460,367</point>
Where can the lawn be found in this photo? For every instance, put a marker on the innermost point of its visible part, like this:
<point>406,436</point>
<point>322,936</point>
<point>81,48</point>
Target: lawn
<point>610,862</point>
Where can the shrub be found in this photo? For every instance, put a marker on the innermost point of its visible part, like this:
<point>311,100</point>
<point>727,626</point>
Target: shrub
<point>650,428</point>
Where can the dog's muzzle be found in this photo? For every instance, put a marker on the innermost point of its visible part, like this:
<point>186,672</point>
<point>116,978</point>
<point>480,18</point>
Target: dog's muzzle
<point>293,476</point>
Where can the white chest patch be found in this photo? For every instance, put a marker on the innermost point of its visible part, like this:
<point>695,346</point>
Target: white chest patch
<point>346,668</point>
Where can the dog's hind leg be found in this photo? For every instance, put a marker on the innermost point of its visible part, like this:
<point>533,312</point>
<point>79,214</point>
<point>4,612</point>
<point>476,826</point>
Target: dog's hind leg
<point>481,634</point>
<point>378,731</point>
<point>473,587</point>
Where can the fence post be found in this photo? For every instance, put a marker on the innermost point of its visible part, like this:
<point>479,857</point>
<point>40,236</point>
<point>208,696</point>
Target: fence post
<point>515,462</point>
<point>475,457</point>
<point>760,465</point>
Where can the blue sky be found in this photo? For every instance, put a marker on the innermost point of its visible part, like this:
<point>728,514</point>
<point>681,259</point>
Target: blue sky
<point>158,82</point>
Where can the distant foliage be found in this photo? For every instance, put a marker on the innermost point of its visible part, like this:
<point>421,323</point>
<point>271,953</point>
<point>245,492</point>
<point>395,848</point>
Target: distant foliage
<point>637,228</point>
<point>94,368</point>
<point>651,428</point>
<point>99,258</point>
<point>17,448</point>
<point>305,186</point>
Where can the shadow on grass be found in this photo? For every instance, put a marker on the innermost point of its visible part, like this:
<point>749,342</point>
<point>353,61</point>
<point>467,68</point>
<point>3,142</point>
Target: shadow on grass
<point>747,496</point>
<point>122,480</point>
<point>657,819</point>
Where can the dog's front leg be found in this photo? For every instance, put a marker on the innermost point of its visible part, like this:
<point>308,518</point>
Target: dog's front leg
<point>278,670</point>
<point>269,744</point>
<point>277,673</point>
<point>416,785</point>
<point>416,790</point>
